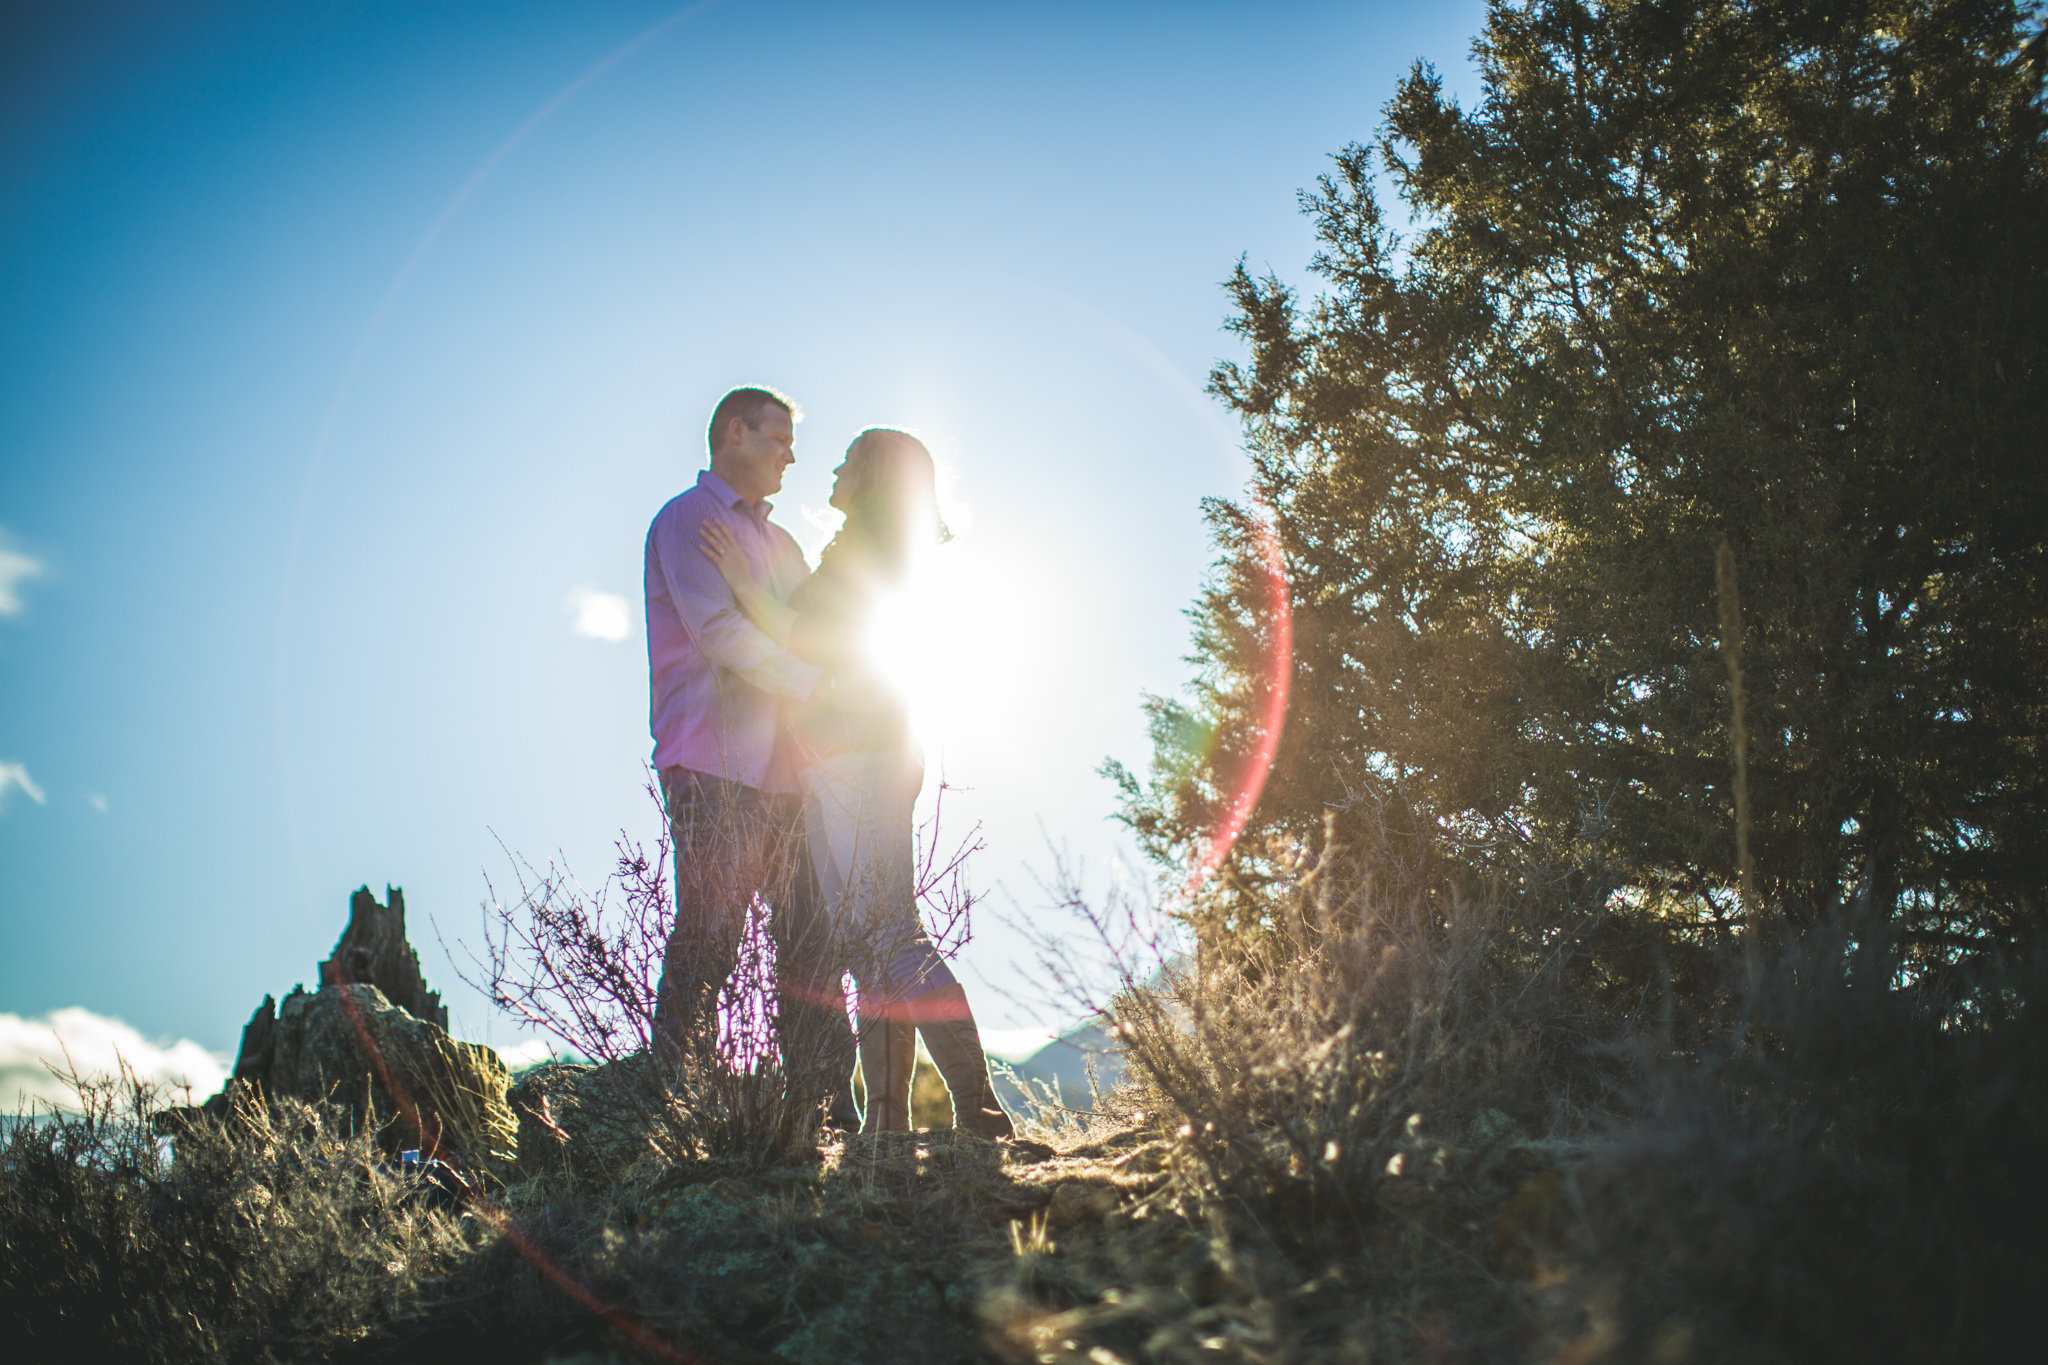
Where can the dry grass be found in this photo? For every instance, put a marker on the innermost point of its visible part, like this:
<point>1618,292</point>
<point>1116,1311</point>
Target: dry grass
<point>270,1237</point>
<point>1404,1122</point>
<point>462,1086</point>
<point>1408,1120</point>
<point>1351,1141</point>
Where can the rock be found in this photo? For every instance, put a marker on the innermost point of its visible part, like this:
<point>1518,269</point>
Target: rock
<point>595,1120</point>
<point>259,1044</point>
<point>1025,1152</point>
<point>374,950</point>
<point>374,1040</point>
<point>349,1045</point>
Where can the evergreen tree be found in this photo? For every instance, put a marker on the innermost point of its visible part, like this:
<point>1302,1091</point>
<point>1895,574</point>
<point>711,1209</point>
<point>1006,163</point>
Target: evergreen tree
<point>1768,274</point>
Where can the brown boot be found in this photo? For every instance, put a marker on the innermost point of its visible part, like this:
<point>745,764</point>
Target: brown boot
<point>888,1061</point>
<point>946,1022</point>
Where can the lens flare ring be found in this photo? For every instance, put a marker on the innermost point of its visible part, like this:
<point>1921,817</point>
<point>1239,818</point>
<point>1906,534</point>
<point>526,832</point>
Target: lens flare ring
<point>1277,679</point>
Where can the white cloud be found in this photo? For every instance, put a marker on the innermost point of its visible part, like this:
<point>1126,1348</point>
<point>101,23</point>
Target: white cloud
<point>97,801</point>
<point>16,568</point>
<point>97,1044</point>
<point>601,615</point>
<point>526,1053</point>
<point>16,775</point>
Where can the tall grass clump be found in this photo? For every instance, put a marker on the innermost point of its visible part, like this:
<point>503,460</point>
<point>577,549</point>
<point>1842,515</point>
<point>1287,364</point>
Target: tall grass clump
<point>273,1236</point>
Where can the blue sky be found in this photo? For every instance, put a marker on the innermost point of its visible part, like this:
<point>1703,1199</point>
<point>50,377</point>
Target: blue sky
<point>347,350</point>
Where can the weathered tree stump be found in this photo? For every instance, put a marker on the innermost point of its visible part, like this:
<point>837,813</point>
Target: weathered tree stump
<point>373,951</point>
<point>373,1040</point>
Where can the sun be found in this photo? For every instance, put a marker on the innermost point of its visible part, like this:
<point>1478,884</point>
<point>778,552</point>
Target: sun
<point>928,641</point>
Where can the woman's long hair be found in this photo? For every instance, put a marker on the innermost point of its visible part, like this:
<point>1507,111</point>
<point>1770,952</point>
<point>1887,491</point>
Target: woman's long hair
<point>892,505</point>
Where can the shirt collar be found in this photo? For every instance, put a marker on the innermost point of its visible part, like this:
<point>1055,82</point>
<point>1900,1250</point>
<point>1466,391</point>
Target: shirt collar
<point>720,489</point>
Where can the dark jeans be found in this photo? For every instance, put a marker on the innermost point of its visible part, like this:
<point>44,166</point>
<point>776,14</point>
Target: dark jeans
<point>733,842</point>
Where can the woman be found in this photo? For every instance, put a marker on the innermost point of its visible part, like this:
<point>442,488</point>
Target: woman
<point>860,772</point>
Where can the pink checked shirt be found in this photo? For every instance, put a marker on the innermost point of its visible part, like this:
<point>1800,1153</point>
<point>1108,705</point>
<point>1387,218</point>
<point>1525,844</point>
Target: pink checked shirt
<point>719,685</point>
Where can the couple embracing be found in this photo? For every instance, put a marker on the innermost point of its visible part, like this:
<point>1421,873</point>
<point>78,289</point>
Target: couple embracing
<point>788,770</point>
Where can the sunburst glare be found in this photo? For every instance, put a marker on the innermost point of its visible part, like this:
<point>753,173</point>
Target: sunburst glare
<point>934,641</point>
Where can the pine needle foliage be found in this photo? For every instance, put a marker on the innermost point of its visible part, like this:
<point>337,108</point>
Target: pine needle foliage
<point>1774,274</point>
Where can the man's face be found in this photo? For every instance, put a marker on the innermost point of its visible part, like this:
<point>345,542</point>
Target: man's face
<point>755,456</point>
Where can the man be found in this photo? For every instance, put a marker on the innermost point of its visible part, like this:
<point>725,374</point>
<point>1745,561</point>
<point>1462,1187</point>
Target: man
<point>719,688</point>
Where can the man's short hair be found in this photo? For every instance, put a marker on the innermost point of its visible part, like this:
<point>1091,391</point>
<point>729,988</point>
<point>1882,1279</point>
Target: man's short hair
<point>749,405</point>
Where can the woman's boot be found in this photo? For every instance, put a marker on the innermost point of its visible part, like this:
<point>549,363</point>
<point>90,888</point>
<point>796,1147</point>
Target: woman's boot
<point>888,1061</point>
<point>947,1023</point>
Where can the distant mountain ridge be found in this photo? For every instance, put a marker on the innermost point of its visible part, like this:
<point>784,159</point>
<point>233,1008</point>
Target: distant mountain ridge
<point>1065,1064</point>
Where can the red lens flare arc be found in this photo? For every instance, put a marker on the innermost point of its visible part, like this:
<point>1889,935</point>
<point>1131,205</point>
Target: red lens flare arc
<point>1278,671</point>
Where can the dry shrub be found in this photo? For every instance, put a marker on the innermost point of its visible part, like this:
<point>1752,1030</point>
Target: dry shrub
<point>577,965</point>
<point>273,1236</point>
<point>1043,1114</point>
<point>1397,1119</point>
<point>1381,1000</point>
<point>1853,1172</point>
<point>757,1057</point>
<point>585,968</point>
<point>1343,1085</point>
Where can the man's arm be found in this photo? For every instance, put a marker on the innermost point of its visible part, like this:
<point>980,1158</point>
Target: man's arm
<point>755,602</point>
<point>827,638</point>
<point>712,618</point>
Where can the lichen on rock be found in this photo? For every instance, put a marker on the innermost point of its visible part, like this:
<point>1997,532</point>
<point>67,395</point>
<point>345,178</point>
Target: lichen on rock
<point>597,1121</point>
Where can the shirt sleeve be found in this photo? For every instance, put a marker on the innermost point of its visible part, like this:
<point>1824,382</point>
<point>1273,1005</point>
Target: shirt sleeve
<point>713,621</point>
